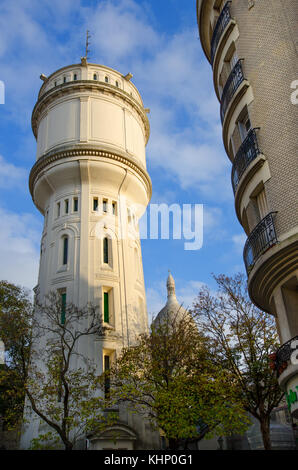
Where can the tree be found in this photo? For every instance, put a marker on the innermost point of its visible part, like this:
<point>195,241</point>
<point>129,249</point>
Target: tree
<point>62,386</point>
<point>170,377</point>
<point>16,313</point>
<point>245,338</point>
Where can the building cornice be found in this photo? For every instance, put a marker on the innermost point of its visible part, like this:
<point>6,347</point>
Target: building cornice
<point>91,153</point>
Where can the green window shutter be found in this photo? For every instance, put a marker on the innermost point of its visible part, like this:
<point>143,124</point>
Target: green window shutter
<point>63,307</point>
<point>105,250</point>
<point>106,307</point>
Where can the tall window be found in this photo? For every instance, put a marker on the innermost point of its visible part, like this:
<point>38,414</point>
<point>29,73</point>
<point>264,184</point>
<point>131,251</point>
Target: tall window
<point>105,250</point>
<point>58,209</point>
<point>65,250</point>
<point>105,205</point>
<point>75,76</point>
<point>106,307</point>
<point>75,204</point>
<point>114,208</point>
<point>66,206</point>
<point>94,76</point>
<point>95,203</point>
<point>107,367</point>
<point>106,79</point>
<point>63,307</point>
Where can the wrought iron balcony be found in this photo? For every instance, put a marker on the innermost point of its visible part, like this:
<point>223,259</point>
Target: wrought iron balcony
<point>248,151</point>
<point>223,20</point>
<point>281,359</point>
<point>260,240</point>
<point>235,79</point>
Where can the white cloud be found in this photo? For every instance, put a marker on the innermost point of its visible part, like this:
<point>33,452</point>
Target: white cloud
<point>12,176</point>
<point>19,252</point>
<point>239,241</point>
<point>120,29</point>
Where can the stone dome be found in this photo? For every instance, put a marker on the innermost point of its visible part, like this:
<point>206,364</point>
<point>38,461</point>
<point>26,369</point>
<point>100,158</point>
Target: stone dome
<point>173,310</point>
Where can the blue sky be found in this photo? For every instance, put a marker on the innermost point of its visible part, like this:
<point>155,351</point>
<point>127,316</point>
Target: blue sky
<point>157,41</point>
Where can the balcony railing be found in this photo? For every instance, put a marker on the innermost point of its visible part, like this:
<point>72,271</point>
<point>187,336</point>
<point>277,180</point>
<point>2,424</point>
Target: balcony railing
<point>235,79</point>
<point>248,151</point>
<point>223,20</point>
<point>260,240</point>
<point>281,359</point>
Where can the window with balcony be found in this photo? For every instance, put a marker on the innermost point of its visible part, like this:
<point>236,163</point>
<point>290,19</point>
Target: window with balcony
<point>222,18</point>
<point>234,81</point>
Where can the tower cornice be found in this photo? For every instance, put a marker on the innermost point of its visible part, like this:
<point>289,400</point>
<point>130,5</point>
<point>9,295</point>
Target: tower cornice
<point>89,152</point>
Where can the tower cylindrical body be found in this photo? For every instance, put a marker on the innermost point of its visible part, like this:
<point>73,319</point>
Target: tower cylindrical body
<point>90,183</point>
<point>251,47</point>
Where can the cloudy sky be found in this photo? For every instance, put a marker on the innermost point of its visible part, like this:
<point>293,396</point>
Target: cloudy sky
<point>157,41</point>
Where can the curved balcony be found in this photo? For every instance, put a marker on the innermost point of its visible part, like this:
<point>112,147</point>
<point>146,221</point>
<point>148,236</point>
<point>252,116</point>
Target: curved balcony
<point>259,241</point>
<point>248,151</point>
<point>221,24</point>
<point>282,358</point>
<point>234,81</point>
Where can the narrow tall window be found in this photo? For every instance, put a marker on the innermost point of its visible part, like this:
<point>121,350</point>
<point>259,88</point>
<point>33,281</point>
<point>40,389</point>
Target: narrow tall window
<point>65,250</point>
<point>75,204</point>
<point>94,76</point>
<point>58,209</point>
<point>117,84</point>
<point>105,250</point>
<point>107,367</point>
<point>95,203</point>
<point>106,79</point>
<point>63,307</point>
<point>105,205</point>
<point>66,206</point>
<point>75,76</point>
<point>114,208</point>
<point>64,79</point>
<point>106,311</point>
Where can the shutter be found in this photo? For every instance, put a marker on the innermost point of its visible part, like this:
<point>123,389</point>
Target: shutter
<point>63,307</point>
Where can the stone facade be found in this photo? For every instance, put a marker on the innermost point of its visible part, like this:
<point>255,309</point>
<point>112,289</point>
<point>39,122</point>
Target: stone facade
<point>252,47</point>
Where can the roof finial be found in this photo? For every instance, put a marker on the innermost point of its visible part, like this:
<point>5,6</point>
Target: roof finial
<point>87,44</point>
<point>171,286</point>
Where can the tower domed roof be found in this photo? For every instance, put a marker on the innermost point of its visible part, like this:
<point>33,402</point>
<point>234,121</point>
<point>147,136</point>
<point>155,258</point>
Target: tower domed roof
<point>173,310</point>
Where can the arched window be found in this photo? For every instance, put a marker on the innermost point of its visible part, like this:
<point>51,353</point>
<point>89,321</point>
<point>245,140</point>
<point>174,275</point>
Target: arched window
<point>94,76</point>
<point>65,250</point>
<point>106,79</point>
<point>105,250</point>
